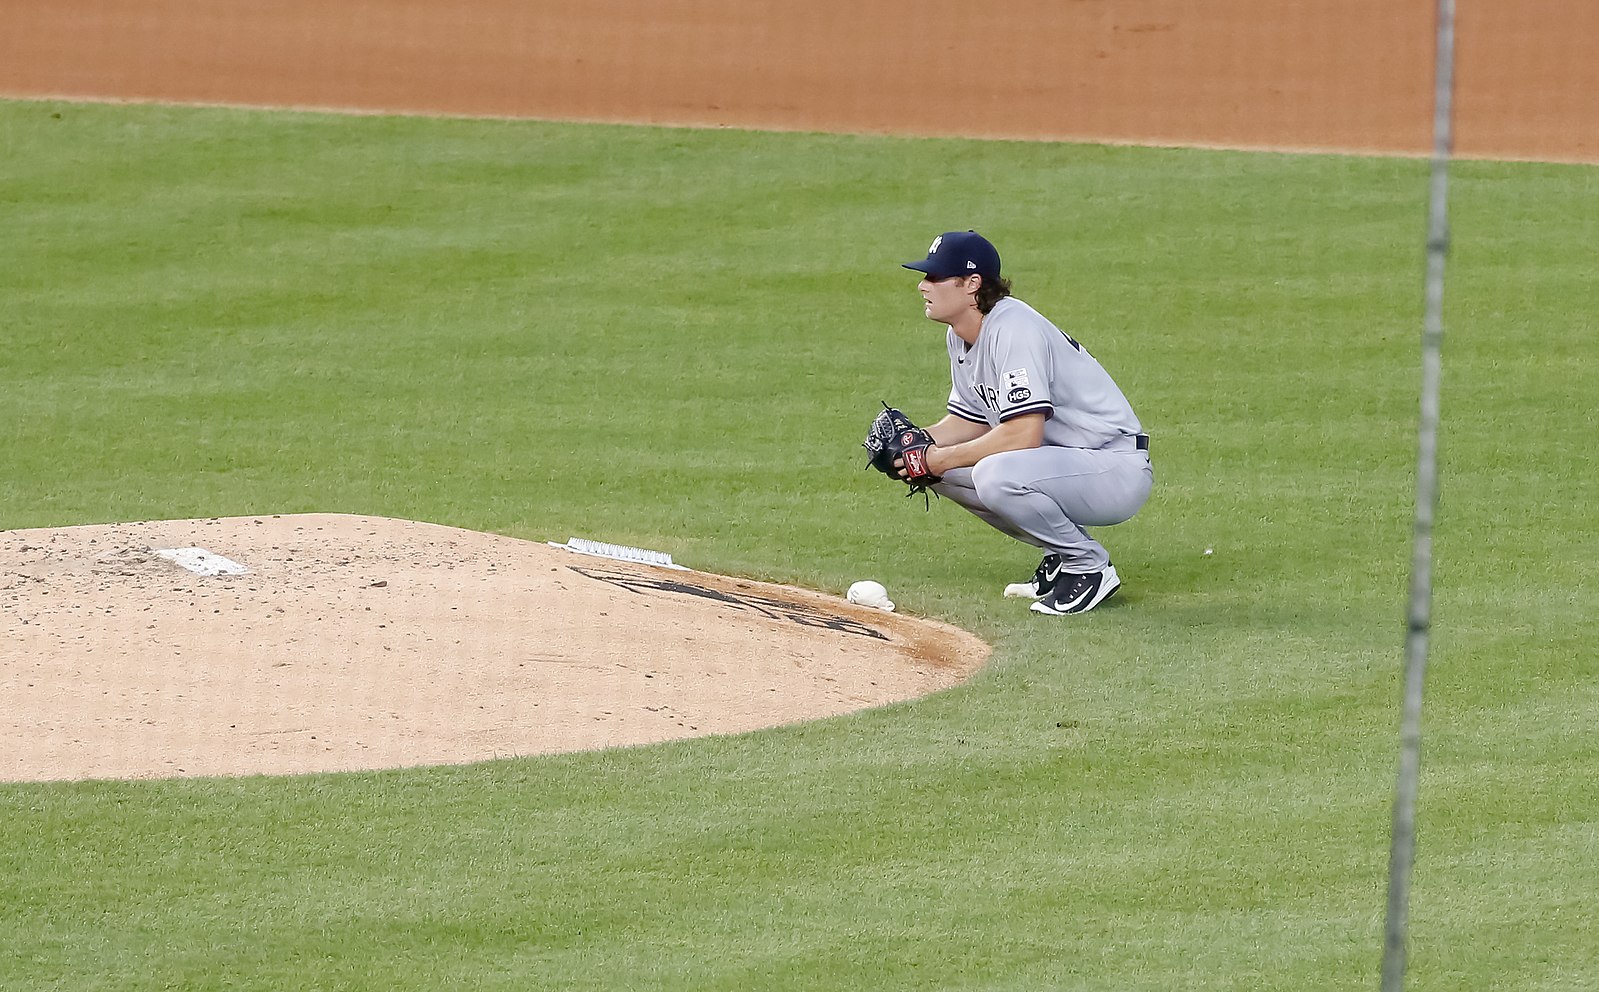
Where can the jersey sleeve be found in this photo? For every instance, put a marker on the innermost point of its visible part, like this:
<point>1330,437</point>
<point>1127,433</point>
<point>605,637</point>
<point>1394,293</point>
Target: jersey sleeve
<point>1022,360</point>
<point>962,406</point>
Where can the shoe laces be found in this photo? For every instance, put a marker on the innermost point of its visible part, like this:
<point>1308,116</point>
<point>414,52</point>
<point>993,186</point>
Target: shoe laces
<point>1070,585</point>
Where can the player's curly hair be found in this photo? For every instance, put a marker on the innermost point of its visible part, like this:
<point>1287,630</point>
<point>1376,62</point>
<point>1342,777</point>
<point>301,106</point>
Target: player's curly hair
<point>990,293</point>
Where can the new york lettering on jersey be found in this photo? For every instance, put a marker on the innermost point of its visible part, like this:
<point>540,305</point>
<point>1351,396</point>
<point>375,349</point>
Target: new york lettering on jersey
<point>1017,367</point>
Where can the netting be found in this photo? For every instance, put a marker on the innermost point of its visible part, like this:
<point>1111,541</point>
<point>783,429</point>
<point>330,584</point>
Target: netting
<point>1355,75</point>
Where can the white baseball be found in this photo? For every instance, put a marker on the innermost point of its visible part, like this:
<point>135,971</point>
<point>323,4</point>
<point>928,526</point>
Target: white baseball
<point>869,593</point>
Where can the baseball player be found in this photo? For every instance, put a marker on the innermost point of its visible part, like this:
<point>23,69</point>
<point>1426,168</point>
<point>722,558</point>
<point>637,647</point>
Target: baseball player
<point>1038,442</point>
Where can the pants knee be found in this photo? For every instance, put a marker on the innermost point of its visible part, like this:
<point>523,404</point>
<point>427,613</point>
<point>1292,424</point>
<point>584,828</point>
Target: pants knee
<point>993,487</point>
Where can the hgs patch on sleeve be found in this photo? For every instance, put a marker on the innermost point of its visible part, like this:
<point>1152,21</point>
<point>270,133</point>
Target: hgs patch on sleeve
<point>1017,386</point>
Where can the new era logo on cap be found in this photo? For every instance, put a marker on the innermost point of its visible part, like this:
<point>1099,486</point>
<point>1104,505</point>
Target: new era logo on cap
<point>956,253</point>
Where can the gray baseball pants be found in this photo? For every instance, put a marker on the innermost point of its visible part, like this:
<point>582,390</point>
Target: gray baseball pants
<point>1045,496</point>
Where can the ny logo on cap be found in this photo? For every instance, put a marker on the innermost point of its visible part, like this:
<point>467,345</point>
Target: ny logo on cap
<point>932,248</point>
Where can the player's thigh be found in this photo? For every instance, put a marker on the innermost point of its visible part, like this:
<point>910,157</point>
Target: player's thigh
<point>1093,488</point>
<point>957,484</point>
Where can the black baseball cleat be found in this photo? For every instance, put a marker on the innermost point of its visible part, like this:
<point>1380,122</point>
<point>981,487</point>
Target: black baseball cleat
<point>1078,593</point>
<point>1041,583</point>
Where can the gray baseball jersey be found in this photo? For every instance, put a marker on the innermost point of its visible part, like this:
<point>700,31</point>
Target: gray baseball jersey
<point>1024,364</point>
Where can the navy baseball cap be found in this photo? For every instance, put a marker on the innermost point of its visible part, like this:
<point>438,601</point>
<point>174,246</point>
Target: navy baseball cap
<point>959,253</point>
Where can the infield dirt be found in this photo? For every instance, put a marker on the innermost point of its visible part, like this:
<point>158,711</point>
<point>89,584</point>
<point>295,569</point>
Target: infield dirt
<point>361,642</point>
<point>1352,75</point>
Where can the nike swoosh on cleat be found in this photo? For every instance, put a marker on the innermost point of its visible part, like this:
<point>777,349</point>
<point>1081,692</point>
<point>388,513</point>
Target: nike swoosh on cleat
<point>1104,588</point>
<point>1087,592</point>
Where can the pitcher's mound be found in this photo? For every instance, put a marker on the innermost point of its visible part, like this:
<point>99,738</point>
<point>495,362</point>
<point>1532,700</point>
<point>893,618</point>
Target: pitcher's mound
<point>324,642</point>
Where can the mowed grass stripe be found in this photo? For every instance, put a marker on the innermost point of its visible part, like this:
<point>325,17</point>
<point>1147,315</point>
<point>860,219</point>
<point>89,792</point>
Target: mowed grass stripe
<point>674,339</point>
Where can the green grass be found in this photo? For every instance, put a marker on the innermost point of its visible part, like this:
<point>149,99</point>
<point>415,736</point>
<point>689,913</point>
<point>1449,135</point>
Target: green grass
<point>674,339</point>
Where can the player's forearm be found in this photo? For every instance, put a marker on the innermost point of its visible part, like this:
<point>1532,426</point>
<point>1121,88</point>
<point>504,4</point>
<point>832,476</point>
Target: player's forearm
<point>953,430</point>
<point>1012,435</point>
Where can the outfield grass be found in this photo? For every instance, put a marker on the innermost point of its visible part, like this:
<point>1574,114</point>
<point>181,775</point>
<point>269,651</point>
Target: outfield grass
<point>674,339</point>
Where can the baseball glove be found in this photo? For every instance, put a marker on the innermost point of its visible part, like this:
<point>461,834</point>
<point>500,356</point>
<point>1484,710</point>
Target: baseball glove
<point>893,437</point>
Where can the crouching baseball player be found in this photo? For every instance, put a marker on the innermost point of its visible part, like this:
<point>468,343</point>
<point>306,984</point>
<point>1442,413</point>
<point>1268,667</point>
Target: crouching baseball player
<point>1038,442</point>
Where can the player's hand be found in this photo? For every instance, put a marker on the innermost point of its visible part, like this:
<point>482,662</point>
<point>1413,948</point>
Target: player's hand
<point>934,456</point>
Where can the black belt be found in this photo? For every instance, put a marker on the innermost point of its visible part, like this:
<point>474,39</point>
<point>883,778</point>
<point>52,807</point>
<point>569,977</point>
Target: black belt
<point>1141,441</point>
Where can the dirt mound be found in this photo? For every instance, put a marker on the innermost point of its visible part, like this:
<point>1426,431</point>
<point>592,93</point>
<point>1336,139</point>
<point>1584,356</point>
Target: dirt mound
<point>352,642</point>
